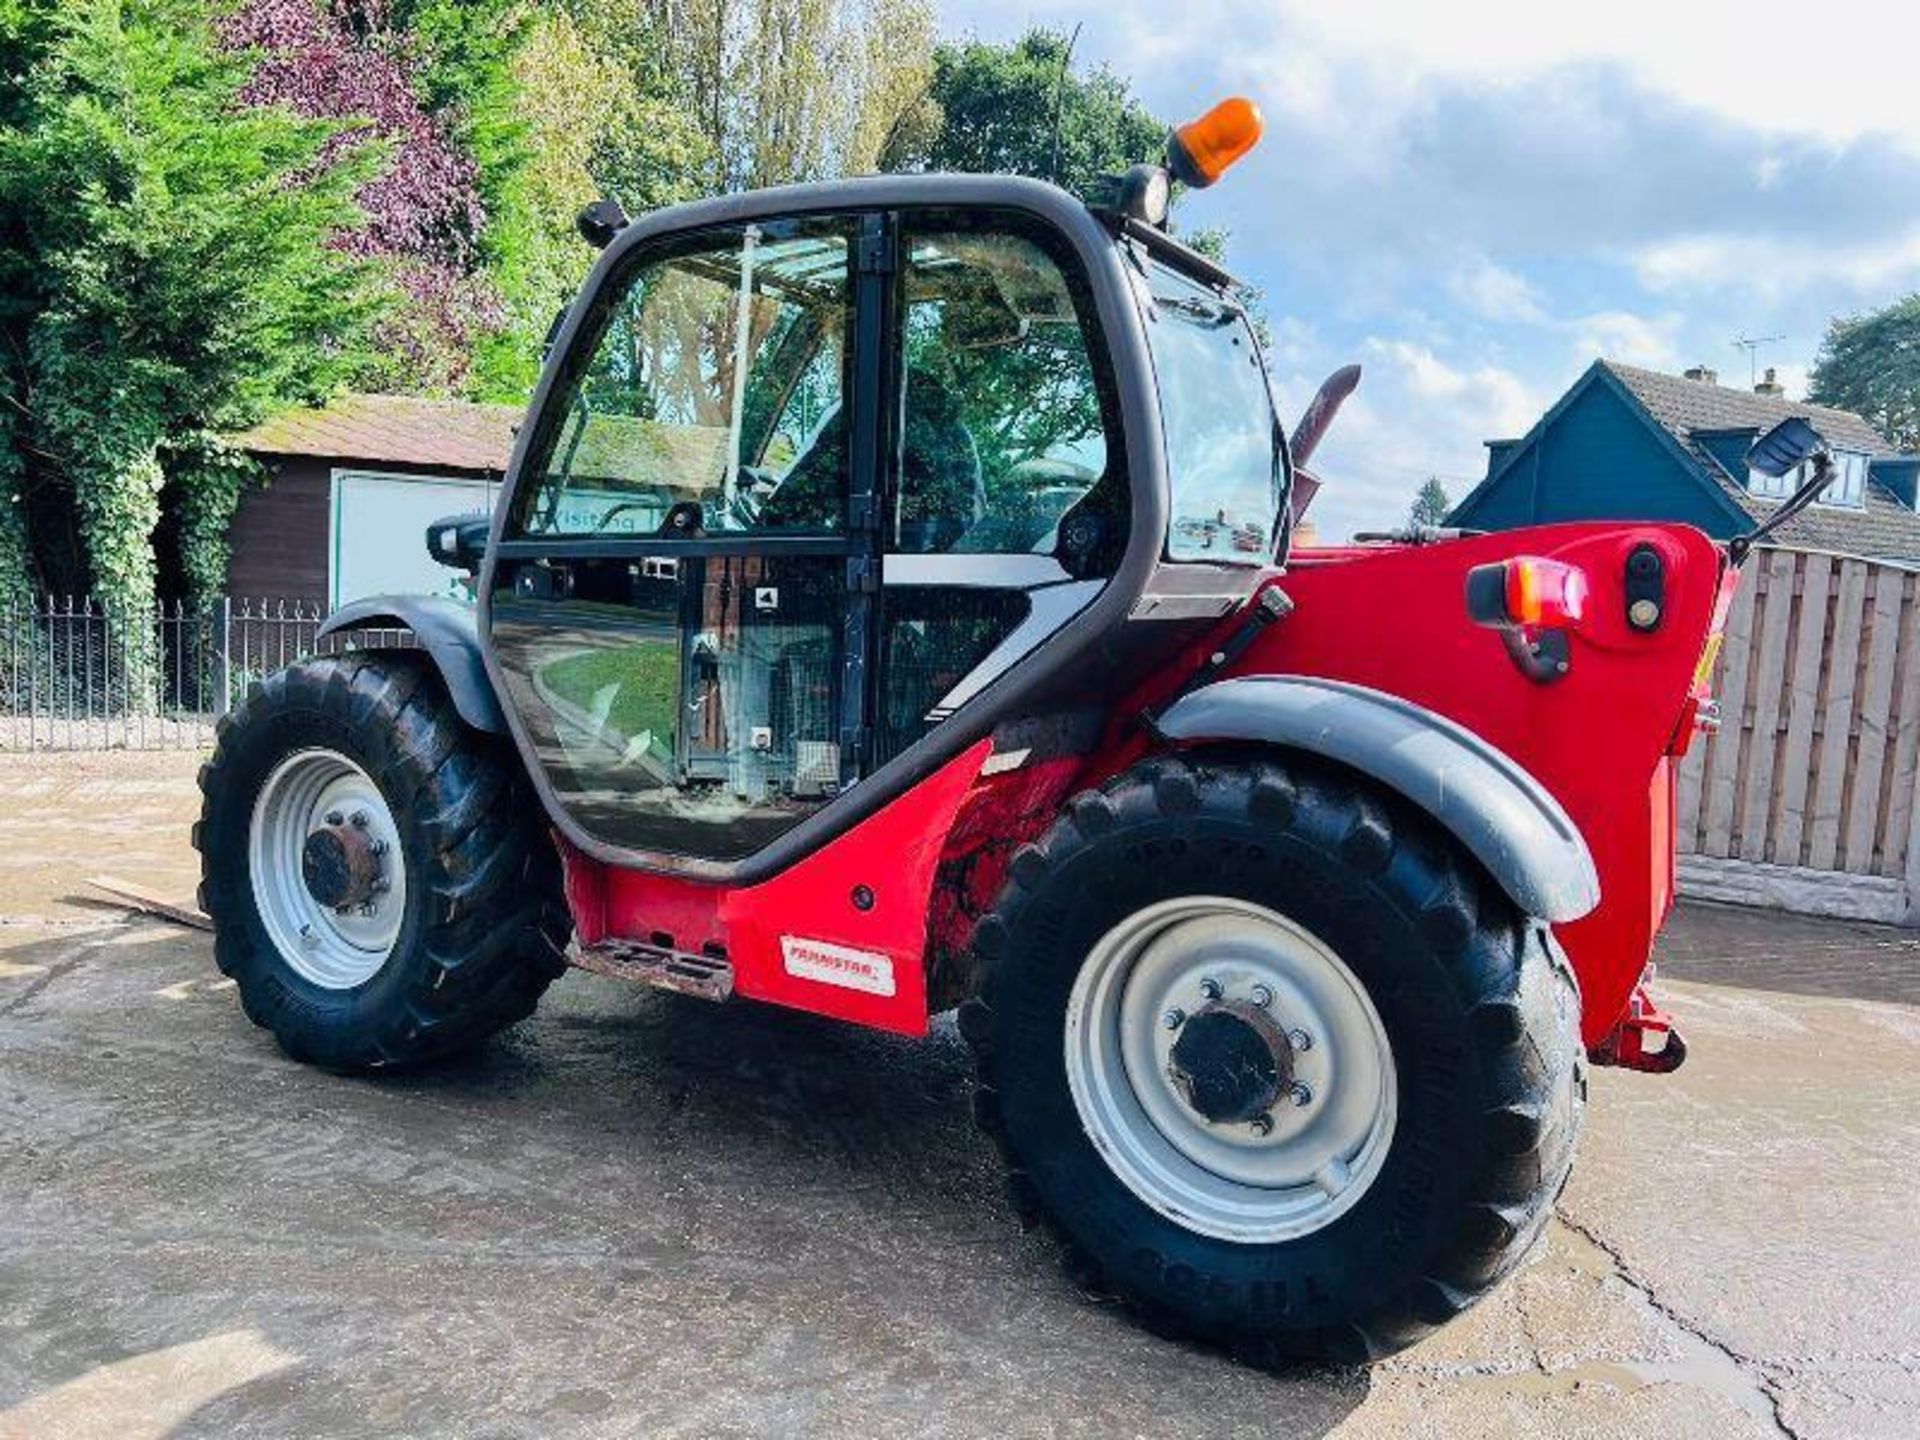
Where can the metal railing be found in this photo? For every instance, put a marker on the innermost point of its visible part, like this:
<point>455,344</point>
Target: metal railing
<point>79,675</point>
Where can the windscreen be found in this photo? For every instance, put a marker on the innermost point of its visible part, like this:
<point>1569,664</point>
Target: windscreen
<point>1223,444</point>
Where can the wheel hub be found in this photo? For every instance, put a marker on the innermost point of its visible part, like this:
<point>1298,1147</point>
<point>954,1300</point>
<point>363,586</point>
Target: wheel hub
<point>1230,1068</point>
<point>340,863</point>
<point>328,873</point>
<point>1232,1062</point>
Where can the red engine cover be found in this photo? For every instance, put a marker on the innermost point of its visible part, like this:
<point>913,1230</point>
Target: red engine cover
<point>1599,738</point>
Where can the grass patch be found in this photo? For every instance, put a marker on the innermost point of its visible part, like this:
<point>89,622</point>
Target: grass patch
<point>646,677</point>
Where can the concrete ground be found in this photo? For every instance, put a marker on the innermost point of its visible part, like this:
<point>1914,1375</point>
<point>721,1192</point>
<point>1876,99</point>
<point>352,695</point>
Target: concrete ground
<point>642,1215</point>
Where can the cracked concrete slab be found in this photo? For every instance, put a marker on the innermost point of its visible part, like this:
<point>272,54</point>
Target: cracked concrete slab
<point>641,1214</point>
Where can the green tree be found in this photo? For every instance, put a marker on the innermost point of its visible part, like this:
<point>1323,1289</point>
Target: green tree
<point>166,268</point>
<point>792,90</point>
<point>998,105</point>
<point>598,117</point>
<point>1870,364</point>
<point>1431,504</point>
<point>999,108</point>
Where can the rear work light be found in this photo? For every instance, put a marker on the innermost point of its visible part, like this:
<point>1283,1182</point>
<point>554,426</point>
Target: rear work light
<point>1527,593</point>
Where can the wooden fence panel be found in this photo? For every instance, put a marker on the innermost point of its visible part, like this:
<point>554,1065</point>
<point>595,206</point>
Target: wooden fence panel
<point>1803,696</point>
<point>1836,717</point>
<point>1874,717</point>
<point>1817,760</point>
<point>1724,749</point>
<point>1906,739</point>
<point>1762,742</point>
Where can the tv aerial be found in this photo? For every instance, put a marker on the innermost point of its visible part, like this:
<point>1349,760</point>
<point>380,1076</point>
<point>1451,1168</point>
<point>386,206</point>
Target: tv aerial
<point>1751,344</point>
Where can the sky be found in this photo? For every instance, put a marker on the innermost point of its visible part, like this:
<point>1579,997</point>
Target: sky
<point>1475,199</point>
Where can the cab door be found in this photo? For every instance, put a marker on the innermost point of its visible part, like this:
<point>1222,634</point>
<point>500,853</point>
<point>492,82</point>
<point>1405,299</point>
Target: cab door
<point>680,608</point>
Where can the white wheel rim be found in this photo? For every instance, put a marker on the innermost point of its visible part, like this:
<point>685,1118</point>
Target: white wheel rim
<point>333,948</point>
<point>1230,1180</point>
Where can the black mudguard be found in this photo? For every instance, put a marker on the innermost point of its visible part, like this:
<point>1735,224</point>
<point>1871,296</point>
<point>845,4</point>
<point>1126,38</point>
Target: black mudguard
<point>447,631</point>
<point>1504,817</point>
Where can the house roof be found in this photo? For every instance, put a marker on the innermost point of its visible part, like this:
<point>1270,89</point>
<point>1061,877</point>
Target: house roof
<point>1687,406</point>
<point>1690,409</point>
<point>1690,415</point>
<point>393,430</point>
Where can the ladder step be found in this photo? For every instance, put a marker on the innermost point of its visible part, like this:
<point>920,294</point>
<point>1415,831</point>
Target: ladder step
<point>709,977</point>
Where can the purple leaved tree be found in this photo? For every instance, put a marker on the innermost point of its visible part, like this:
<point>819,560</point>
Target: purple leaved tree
<point>342,60</point>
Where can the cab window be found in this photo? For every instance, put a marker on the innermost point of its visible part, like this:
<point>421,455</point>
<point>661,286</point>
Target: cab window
<point>1004,417</point>
<point>717,381</point>
<point>1224,464</point>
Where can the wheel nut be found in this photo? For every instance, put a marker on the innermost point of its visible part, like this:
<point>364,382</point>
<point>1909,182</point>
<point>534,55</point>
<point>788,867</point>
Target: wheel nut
<point>1300,1039</point>
<point>1262,1124</point>
<point>1174,1019</point>
<point>379,847</point>
<point>1262,996</point>
<point>1302,1093</point>
<point>359,819</point>
<point>1210,988</point>
<point>334,817</point>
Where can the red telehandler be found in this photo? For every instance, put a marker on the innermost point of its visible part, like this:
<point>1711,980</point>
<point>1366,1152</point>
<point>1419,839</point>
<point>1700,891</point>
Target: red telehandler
<point>889,609</point>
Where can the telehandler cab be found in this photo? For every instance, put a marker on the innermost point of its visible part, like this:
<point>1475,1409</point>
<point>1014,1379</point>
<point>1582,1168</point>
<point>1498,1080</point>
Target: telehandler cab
<point>889,609</point>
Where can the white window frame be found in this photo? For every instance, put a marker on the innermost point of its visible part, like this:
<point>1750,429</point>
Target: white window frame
<point>1850,481</point>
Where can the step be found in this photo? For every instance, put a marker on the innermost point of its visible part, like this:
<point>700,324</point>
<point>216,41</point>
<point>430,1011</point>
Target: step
<point>709,977</point>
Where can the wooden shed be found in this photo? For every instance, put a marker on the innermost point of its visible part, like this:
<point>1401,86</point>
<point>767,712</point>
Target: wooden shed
<point>350,490</point>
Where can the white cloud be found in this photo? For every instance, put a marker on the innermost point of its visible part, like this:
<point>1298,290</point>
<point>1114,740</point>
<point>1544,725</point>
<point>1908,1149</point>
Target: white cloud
<point>1773,265</point>
<point>1767,64</point>
<point>1415,415</point>
<point>1496,293</point>
<point>1623,335</point>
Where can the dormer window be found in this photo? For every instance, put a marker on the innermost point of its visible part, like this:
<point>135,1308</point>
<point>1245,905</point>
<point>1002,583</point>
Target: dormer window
<point>1848,490</point>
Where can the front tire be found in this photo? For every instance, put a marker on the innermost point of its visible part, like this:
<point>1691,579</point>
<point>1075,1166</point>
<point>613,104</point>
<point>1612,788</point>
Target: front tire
<point>381,889</point>
<point>1284,1193</point>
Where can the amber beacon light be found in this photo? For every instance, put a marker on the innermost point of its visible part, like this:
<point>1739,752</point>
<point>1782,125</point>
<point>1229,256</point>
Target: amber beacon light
<point>1202,150</point>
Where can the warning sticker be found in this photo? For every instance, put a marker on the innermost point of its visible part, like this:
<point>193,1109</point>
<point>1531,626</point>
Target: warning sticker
<point>837,965</point>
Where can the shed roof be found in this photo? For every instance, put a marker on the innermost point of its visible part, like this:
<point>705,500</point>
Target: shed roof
<point>393,430</point>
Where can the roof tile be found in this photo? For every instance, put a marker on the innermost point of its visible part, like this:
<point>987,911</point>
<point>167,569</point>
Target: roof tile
<point>1883,529</point>
<point>393,430</point>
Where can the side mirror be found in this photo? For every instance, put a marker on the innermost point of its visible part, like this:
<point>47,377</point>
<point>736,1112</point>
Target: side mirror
<point>460,541</point>
<point>1785,447</point>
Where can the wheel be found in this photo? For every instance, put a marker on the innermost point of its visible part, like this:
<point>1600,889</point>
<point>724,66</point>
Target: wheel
<point>381,889</point>
<point>1273,1057</point>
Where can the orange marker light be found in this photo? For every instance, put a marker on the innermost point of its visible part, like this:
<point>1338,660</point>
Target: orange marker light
<point>1200,151</point>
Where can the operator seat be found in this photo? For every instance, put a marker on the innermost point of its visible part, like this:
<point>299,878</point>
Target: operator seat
<point>943,490</point>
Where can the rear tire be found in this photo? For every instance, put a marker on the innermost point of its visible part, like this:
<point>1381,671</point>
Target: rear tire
<point>468,925</point>
<point>1478,1006</point>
